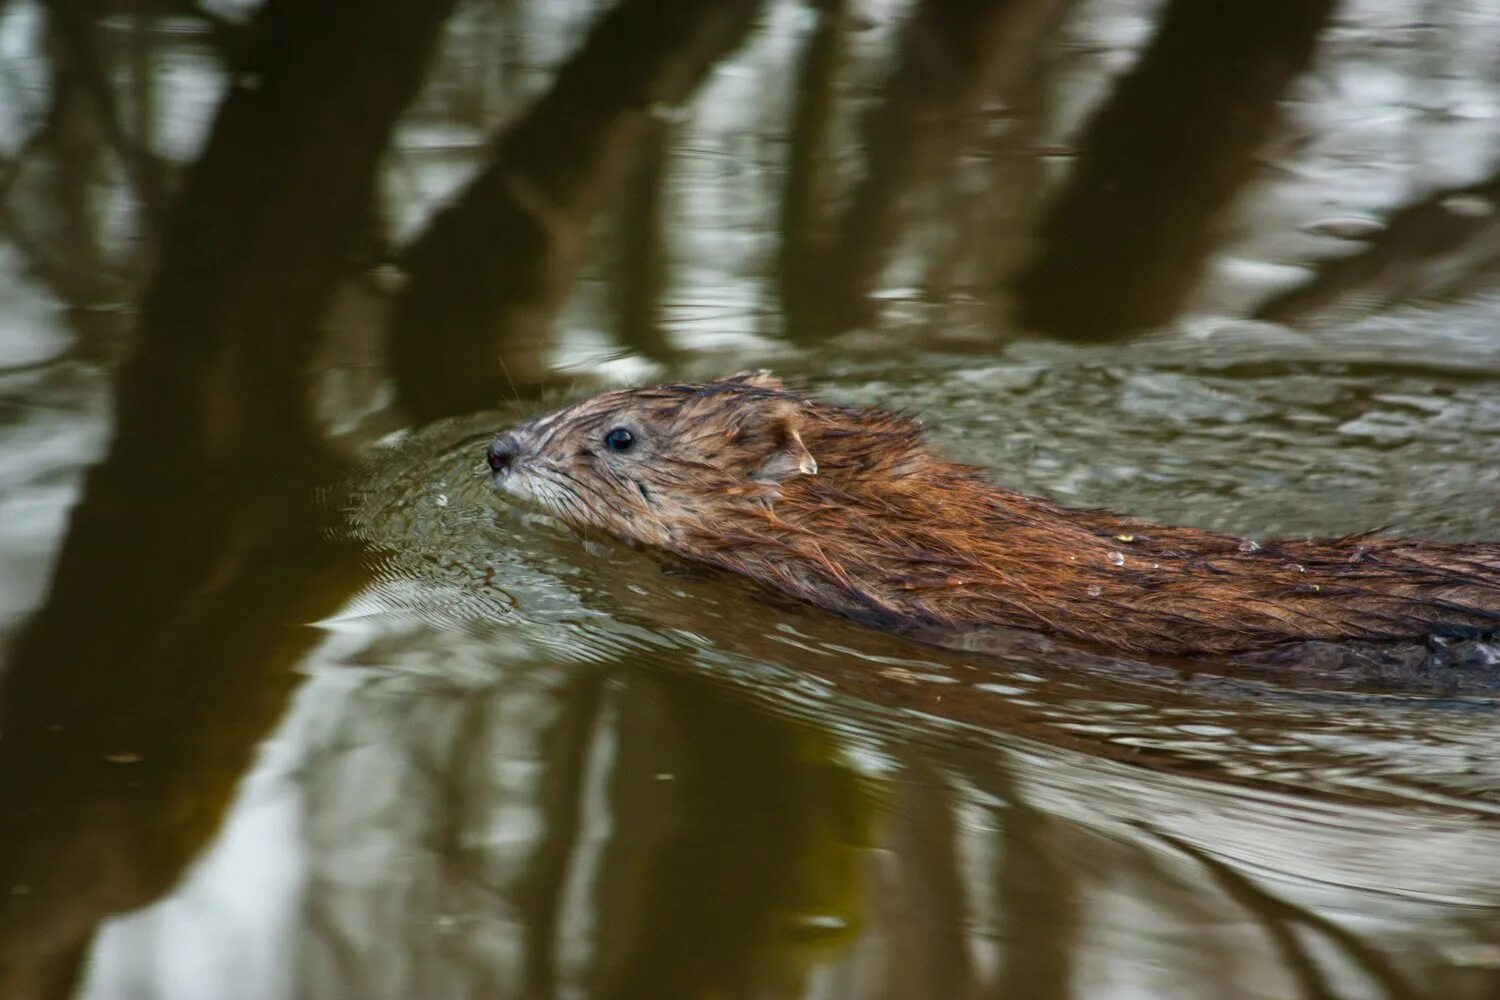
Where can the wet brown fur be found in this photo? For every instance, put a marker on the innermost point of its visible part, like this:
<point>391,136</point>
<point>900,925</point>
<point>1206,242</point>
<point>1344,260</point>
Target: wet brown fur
<point>885,532</point>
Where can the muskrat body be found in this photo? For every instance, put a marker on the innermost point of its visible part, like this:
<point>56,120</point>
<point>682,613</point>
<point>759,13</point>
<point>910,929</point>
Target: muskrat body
<point>846,509</point>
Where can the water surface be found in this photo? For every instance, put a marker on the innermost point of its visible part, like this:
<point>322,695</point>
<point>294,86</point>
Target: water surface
<point>294,706</point>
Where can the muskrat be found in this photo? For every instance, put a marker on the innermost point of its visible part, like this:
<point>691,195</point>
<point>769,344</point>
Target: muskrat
<point>846,508</point>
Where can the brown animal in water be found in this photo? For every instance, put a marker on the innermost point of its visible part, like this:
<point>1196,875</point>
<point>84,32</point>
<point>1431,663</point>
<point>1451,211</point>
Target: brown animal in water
<point>845,508</point>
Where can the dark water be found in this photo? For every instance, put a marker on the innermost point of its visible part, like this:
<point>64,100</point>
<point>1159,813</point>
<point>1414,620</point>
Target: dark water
<point>294,707</point>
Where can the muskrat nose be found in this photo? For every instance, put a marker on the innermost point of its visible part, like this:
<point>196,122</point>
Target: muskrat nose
<point>502,453</point>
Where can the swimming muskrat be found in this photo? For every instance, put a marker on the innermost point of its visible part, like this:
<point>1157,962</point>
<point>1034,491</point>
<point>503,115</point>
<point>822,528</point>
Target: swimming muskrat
<point>846,508</point>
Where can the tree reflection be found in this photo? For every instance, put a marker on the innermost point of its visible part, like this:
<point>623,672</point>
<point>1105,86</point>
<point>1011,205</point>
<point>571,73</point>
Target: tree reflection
<point>810,185</point>
<point>638,275</point>
<point>669,839</point>
<point>488,273</point>
<point>136,696</point>
<point>752,858</point>
<point>954,59</point>
<point>1436,247</point>
<point>1136,218</point>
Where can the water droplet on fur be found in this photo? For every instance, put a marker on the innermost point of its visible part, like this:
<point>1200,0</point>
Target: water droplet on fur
<point>1348,227</point>
<point>1095,590</point>
<point>1475,956</point>
<point>1468,206</point>
<point>388,278</point>
<point>1297,566</point>
<point>672,114</point>
<point>1116,558</point>
<point>814,926</point>
<point>1249,545</point>
<point>1124,538</point>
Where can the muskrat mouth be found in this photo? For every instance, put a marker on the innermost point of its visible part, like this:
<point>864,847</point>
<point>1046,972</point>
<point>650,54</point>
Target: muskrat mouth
<point>515,487</point>
<point>535,491</point>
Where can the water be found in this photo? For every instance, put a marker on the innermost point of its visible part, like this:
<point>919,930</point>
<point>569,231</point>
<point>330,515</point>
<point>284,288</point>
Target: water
<point>294,706</point>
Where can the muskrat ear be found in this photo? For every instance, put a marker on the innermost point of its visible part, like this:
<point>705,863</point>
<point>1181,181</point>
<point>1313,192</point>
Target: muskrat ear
<point>789,458</point>
<point>759,378</point>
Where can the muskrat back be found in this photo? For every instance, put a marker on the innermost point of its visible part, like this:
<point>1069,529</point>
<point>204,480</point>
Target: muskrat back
<point>847,509</point>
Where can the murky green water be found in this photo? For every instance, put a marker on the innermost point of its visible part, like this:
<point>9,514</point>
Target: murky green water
<point>293,706</point>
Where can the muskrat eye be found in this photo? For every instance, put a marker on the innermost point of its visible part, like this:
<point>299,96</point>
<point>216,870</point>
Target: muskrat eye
<point>619,439</point>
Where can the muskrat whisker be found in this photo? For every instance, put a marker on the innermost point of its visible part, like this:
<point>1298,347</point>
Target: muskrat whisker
<point>514,391</point>
<point>569,506</point>
<point>588,487</point>
<point>560,494</point>
<point>551,503</point>
<point>563,502</point>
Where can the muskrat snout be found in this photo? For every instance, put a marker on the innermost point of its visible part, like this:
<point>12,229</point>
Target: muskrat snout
<point>502,454</point>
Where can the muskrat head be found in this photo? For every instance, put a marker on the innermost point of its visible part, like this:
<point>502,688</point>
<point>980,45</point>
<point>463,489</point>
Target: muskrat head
<point>645,464</point>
